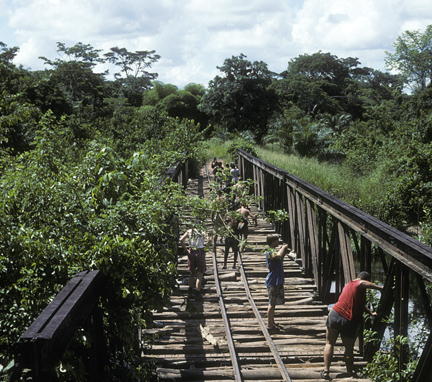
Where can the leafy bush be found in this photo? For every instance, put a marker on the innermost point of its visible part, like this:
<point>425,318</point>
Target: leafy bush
<point>241,144</point>
<point>426,227</point>
<point>385,365</point>
<point>66,208</point>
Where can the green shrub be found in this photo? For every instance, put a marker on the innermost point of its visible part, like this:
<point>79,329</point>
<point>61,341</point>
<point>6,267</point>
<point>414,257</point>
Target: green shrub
<point>60,215</point>
<point>385,365</point>
<point>245,145</point>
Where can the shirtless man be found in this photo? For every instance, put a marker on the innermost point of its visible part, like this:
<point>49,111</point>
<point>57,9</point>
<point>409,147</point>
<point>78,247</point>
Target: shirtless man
<point>244,223</point>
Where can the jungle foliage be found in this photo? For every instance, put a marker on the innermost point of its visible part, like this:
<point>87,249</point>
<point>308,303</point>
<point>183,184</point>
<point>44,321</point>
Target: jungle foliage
<point>375,124</point>
<point>80,156</point>
<point>79,174</point>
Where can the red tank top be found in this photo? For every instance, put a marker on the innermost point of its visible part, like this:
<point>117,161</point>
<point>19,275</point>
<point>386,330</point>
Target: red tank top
<point>352,301</point>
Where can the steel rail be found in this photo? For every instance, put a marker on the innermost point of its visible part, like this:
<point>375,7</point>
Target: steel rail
<point>272,346</point>
<point>230,342</point>
<point>270,342</point>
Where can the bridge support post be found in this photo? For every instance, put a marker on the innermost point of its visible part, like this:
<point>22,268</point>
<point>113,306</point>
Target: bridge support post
<point>401,311</point>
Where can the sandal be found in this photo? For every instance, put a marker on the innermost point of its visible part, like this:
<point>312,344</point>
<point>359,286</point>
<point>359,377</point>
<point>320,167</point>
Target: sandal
<point>325,375</point>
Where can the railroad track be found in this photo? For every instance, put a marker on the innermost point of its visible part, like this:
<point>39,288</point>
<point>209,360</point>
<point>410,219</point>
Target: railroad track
<point>222,335</point>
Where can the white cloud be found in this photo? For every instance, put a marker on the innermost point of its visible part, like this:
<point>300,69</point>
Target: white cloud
<point>193,37</point>
<point>342,24</point>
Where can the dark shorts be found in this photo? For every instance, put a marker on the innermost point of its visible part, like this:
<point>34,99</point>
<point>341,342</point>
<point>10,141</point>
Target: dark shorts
<point>197,260</point>
<point>276,295</point>
<point>342,325</point>
<point>231,242</point>
<point>243,229</point>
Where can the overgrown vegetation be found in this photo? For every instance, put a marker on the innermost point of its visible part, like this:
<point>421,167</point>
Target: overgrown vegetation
<point>78,188</point>
<point>80,157</point>
<point>398,356</point>
<point>67,208</point>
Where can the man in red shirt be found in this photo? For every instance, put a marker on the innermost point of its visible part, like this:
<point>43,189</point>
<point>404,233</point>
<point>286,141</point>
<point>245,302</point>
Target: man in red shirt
<point>345,319</point>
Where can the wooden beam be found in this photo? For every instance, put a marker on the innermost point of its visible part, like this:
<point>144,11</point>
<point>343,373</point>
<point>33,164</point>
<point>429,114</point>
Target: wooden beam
<point>401,321</point>
<point>423,370</point>
<point>292,218</point>
<point>346,253</point>
<point>43,343</point>
<point>384,310</point>
<point>301,228</point>
<point>366,255</point>
<point>313,237</point>
<point>425,298</point>
<point>409,251</point>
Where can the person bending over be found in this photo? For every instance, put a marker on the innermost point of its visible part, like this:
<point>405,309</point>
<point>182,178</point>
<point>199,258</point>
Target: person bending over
<point>345,318</point>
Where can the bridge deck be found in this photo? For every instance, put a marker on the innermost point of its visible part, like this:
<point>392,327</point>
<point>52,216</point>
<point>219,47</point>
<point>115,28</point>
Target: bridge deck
<point>189,336</point>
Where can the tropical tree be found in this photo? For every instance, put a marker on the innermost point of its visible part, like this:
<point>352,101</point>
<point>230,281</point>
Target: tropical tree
<point>7,54</point>
<point>18,116</point>
<point>240,99</point>
<point>413,58</point>
<point>322,83</point>
<point>177,103</point>
<point>74,72</point>
<point>133,77</point>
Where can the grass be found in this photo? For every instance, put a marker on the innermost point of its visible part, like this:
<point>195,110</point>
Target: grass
<point>331,178</point>
<point>217,148</point>
<point>334,179</point>
<point>367,193</point>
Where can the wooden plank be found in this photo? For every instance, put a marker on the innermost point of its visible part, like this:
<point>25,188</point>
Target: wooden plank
<point>299,339</point>
<point>252,374</point>
<point>313,237</point>
<point>346,253</point>
<point>47,338</point>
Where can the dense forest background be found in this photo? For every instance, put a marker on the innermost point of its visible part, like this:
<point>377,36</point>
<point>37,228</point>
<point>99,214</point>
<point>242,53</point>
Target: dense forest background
<point>81,156</point>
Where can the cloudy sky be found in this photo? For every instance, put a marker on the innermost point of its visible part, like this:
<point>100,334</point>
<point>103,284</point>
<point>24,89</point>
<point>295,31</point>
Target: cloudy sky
<point>193,37</point>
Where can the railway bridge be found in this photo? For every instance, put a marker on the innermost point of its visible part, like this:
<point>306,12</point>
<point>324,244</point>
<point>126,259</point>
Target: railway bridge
<point>221,335</point>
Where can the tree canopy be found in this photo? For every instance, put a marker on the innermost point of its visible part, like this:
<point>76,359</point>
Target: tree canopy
<point>240,99</point>
<point>133,77</point>
<point>413,58</point>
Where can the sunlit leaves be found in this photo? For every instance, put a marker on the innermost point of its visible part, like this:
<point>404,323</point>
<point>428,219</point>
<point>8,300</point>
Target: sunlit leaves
<point>67,208</point>
<point>413,57</point>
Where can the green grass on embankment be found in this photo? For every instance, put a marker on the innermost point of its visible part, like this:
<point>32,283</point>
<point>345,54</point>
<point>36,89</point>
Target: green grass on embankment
<point>365,193</point>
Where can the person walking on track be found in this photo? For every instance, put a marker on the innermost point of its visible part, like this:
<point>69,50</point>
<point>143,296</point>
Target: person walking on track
<point>196,257</point>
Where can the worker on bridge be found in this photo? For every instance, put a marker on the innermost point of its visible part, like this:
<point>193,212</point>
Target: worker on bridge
<point>196,257</point>
<point>345,318</point>
<point>275,279</point>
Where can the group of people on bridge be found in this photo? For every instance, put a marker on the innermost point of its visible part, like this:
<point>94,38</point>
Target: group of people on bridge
<point>231,214</point>
<point>230,221</point>
<point>230,218</point>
